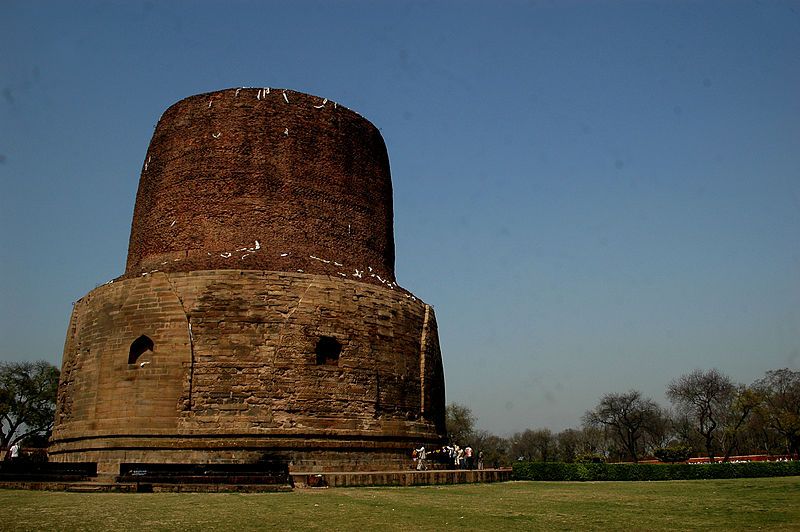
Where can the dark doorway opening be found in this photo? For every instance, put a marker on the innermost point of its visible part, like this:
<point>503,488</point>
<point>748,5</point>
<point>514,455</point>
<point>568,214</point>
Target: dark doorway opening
<point>138,347</point>
<point>328,351</point>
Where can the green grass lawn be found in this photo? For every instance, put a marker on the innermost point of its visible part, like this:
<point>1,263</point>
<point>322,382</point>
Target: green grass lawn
<point>767,503</point>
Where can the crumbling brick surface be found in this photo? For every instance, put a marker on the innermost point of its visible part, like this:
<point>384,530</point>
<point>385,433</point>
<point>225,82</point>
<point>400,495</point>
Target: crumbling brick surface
<point>245,179</point>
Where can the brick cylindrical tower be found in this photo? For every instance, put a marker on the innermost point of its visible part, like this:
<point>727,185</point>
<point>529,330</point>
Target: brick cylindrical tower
<point>258,316</point>
<point>263,179</point>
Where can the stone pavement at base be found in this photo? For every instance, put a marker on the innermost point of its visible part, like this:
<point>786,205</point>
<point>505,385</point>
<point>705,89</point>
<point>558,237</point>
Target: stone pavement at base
<point>399,478</point>
<point>300,480</point>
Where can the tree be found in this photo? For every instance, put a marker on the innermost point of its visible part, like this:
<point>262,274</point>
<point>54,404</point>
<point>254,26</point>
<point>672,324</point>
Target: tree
<point>704,397</point>
<point>27,400</point>
<point>534,445</point>
<point>628,416</point>
<point>780,408</point>
<point>494,448</point>
<point>757,437</point>
<point>685,433</point>
<point>744,402</point>
<point>460,423</point>
<point>593,444</point>
<point>569,442</point>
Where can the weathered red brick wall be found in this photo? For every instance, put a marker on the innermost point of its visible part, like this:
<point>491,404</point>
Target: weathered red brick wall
<point>282,181</point>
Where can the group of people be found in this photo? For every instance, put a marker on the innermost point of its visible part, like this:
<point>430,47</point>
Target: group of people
<point>453,456</point>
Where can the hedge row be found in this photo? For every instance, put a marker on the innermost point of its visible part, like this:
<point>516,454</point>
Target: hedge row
<point>562,471</point>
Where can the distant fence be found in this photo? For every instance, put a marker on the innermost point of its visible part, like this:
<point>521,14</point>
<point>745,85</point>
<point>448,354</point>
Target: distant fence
<point>744,458</point>
<point>737,458</point>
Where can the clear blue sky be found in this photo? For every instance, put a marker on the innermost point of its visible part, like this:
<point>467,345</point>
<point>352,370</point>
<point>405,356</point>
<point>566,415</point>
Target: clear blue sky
<point>595,196</point>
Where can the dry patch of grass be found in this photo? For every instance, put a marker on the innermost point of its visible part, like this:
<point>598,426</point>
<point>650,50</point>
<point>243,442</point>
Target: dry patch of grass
<point>771,503</point>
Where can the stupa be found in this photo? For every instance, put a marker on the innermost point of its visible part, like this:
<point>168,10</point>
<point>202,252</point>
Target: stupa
<point>259,314</point>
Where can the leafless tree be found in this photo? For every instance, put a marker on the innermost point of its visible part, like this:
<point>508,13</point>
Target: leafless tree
<point>460,423</point>
<point>569,444</point>
<point>704,398</point>
<point>538,445</point>
<point>780,408</point>
<point>629,417</point>
<point>744,402</point>
<point>495,449</point>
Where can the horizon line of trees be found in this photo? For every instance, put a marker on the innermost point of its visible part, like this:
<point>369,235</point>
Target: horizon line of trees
<point>710,415</point>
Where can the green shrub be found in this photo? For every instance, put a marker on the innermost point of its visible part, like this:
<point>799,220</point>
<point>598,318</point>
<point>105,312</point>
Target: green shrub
<point>673,453</point>
<point>589,458</point>
<point>594,471</point>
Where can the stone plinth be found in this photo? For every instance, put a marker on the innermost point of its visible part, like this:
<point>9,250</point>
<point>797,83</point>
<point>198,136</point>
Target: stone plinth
<point>233,373</point>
